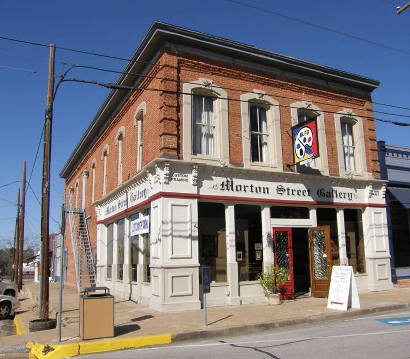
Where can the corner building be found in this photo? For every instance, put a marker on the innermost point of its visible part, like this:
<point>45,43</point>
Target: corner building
<point>194,167</point>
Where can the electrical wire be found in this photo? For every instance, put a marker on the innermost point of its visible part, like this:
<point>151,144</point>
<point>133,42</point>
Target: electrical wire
<point>17,69</point>
<point>228,88</point>
<point>38,201</point>
<point>9,184</point>
<point>131,60</point>
<point>132,88</point>
<point>320,27</point>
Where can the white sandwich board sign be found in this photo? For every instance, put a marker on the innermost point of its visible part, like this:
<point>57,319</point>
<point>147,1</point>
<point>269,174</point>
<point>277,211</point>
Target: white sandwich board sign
<point>343,290</point>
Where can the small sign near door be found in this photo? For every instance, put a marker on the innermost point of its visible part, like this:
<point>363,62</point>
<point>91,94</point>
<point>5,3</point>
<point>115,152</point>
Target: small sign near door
<point>343,291</point>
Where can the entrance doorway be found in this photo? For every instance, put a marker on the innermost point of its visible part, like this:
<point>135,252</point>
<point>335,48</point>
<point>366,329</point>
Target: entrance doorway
<point>301,261</point>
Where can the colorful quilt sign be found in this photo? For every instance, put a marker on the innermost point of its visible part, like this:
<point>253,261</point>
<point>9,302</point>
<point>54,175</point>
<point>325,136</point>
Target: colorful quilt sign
<point>305,141</point>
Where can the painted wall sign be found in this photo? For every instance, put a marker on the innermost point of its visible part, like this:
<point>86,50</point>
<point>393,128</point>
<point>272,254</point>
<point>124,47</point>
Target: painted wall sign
<point>304,192</point>
<point>305,141</point>
<point>116,206</point>
<point>140,225</point>
<point>180,177</point>
<point>137,195</point>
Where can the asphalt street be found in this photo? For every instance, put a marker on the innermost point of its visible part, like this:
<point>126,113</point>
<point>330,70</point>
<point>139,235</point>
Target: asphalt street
<point>382,336</point>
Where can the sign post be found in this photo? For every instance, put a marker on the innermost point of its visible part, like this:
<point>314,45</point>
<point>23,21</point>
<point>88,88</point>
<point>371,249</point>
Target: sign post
<point>206,288</point>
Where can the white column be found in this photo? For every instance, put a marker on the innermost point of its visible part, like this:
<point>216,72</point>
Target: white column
<point>267,240</point>
<point>232,264</point>
<point>114,252</point>
<point>85,176</point>
<point>127,252</point>
<point>141,269</point>
<point>313,217</point>
<point>341,235</point>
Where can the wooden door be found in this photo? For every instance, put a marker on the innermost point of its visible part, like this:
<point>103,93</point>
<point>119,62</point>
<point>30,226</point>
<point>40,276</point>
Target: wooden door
<point>320,259</point>
<point>282,244</point>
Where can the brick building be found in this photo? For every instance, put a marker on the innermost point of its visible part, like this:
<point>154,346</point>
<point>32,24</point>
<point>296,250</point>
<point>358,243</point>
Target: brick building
<point>195,167</point>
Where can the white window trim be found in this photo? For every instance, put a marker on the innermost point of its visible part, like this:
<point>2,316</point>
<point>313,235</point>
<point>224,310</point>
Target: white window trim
<point>104,158</point>
<point>321,163</point>
<point>138,121</point>
<point>220,112</point>
<point>274,131</point>
<point>358,140</point>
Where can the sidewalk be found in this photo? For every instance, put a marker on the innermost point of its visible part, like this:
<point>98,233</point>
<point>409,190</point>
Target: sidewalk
<point>137,320</point>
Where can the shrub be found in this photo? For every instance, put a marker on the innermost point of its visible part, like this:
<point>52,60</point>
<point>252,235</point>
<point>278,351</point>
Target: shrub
<point>272,279</point>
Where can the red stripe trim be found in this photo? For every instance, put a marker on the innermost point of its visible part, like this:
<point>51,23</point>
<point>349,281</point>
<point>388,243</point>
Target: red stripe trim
<point>336,303</point>
<point>237,199</point>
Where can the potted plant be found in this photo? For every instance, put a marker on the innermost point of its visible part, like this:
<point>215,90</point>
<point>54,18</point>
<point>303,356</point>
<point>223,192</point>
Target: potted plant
<point>271,281</point>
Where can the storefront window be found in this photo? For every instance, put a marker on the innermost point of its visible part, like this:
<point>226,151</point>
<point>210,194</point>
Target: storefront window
<point>109,247</point>
<point>134,241</point>
<point>212,239</point>
<point>248,239</point>
<point>289,212</point>
<point>355,240</point>
<point>120,248</point>
<point>327,217</point>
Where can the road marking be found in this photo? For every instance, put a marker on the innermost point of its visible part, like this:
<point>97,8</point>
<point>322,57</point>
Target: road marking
<point>394,322</point>
<point>377,316</point>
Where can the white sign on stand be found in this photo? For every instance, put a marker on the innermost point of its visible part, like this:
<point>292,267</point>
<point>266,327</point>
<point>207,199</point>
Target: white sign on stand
<point>343,290</point>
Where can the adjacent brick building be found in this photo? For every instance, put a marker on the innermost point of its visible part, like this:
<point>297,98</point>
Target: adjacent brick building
<point>190,163</point>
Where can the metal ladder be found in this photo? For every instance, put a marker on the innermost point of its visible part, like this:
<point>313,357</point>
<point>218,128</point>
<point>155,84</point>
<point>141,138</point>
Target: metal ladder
<point>83,257</point>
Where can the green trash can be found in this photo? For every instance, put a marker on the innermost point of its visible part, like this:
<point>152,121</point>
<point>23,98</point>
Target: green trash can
<point>96,313</point>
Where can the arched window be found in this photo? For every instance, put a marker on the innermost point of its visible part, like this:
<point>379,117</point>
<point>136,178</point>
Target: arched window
<point>205,122</point>
<point>119,142</point>
<point>138,121</point>
<point>350,144</point>
<point>76,194</point>
<point>261,136</point>
<point>104,158</point>
<point>93,165</point>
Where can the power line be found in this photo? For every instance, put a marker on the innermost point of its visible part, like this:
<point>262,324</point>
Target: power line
<point>226,88</point>
<point>38,201</point>
<point>17,69</point>
<point>35,157</point>
<point>130,60</point>
<point>133,88</point>
<point>9,184</point>
<point>320,27</point>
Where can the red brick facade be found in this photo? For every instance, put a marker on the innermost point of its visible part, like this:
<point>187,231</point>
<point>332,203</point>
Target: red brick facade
<point>162,124</point>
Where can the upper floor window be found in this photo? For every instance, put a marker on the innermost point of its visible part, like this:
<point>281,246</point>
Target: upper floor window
<point>261,138</point>
<point>105,164</point>
<point>303,111</point>
<point>119,142</point>
<point>350,144</point>
<point>93,181</point>
<point>203,125</point>
<point>205,122</point>
<point>138,121</point>
<point>259,133</point>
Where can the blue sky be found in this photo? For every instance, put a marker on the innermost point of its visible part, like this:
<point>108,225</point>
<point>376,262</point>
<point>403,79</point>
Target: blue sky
<point>117,27</point>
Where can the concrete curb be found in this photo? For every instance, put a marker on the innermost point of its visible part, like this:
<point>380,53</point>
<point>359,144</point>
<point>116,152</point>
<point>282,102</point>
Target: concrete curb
<point>41,351</point>
<point>253,328</point>
<point>20,328</point>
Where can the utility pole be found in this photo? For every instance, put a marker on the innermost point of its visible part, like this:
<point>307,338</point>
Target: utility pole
<point>21,229</point>
<point>400,9</point>
<point>45,193</point>
<point>16,239</point>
